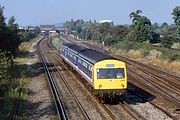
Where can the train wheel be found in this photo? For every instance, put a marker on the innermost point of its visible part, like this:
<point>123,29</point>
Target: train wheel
<point>101,98</point>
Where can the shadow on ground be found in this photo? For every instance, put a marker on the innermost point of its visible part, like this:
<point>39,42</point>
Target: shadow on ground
<point>133,96</point>
<point>36,110</point>
<point>136,95</point>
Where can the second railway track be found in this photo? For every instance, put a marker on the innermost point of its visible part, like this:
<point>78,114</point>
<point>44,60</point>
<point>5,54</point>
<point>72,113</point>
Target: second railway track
<point>56,96</point>
<point>167,84</point>
<point>135,115</point>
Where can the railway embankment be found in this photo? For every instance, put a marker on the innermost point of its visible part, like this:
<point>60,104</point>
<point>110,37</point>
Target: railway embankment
<point>39,103</point>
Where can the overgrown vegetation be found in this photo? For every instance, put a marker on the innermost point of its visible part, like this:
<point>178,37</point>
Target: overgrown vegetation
<point>141,36</point>
<point>13,74</point>
<point>56,42</point>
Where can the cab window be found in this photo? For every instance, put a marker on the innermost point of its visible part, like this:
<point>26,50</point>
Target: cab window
<point>110,73</point>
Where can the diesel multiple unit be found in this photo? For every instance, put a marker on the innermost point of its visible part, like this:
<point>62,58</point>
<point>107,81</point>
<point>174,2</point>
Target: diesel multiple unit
<point>106,74</point>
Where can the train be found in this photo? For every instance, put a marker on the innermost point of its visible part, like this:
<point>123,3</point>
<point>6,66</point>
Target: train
<point>106,75</point>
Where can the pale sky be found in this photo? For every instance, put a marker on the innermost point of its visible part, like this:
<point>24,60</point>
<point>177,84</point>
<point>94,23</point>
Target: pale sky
<point>36,12</point>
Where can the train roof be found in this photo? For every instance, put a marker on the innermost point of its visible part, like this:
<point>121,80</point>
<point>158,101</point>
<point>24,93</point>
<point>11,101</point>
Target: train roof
<point>90,55</point>
<point>76,48</point>
<point>67,45</point>
<point>94,56</point>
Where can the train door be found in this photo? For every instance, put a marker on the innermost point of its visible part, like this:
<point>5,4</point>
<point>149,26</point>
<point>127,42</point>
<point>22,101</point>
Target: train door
<point>66,53</point>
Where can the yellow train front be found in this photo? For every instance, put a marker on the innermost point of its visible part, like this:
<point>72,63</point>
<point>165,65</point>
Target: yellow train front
<point>110,78</point>
<point>106,74</point>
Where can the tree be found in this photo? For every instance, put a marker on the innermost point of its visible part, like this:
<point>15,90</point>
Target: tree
<point>165,28</point>
<point>2,19</point>
<point>155,26</point>
<point>109,39</point>
<point>9,38</point>
<point>167,41</point>
<point>103,30</point>
<point>135,15</point>
<point>14,39</point>
<point>141,27</point>
<point>2,29</point>
<point>176,17</point>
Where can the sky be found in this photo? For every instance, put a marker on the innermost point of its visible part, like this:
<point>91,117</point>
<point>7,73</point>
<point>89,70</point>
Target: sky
<point>37,12</point>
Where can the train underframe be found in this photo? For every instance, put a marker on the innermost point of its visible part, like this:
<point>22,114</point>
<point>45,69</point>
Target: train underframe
<point>110,95</point>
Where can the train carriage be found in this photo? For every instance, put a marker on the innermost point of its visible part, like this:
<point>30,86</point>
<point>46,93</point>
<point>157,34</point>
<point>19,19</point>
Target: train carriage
<point>106,74</point>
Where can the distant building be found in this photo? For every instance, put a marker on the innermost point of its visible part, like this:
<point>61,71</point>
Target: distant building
<point>62,30</point>
<point>47,28</point>
<point>27,28</point>
<point>53,29</point>
<point>31,28</point>
<point>108,21</point>
<point>23,29</point>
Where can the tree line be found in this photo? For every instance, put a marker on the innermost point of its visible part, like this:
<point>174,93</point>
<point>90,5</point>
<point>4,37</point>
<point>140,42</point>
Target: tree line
<point>10,36</point>
<point>10,39</point>
<point>140,31</point>
<point>10,73</point>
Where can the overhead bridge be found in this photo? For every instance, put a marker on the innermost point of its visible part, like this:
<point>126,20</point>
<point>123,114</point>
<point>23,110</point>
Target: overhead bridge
<point>53,29</point>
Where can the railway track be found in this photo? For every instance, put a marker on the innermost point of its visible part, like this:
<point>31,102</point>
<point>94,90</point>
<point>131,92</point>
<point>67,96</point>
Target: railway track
<point>153,104</point>
<point>13,114</point>
<point>60,77</point>
<point>164,89</point>
<point>59,106</point>
<point>85,114</point>
<point>133,113</point>
<point>157,80</point>
<point>154,72</point>
<point>170,82</point>
<point>59,59</point>
<point>161,82</point>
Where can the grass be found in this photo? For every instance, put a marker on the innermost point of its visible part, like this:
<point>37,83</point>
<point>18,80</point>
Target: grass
<point>26,45</point>
<point>57,42</point>
<point>176,45</point>
<point>18,82</point>
<point>11,93</point>
<point>23,62</point>
<point>173,65</point>
<point>156,55</point>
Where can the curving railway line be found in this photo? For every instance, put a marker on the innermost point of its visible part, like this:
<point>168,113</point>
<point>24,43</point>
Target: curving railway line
<point>58,73</point>
<point>152,74</point>
<point>157,80</point>
<point>56,96</point>
<point>67,86</point>
<point>126,107</point>
<point>108,108</point>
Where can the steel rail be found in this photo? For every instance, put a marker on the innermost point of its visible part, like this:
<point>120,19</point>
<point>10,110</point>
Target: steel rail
<point>125,105</point>
<point>60,61</point>
<point>156,106</point>
<point>58,102</point>
<point>171,76</point>
<point>141,65</point>
<point>106,109</point>
<point>132,111</point>
<point>14,112</point>
<point>157,88</point>
<point>70,90</point>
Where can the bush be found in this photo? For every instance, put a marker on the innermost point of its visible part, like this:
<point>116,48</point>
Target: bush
<point>167,41</point>
<point>128,45</point>
<point>146,50</point>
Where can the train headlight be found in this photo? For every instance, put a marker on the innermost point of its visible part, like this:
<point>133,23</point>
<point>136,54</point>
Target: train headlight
<point>122,85</point>
<point>100,86</point>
